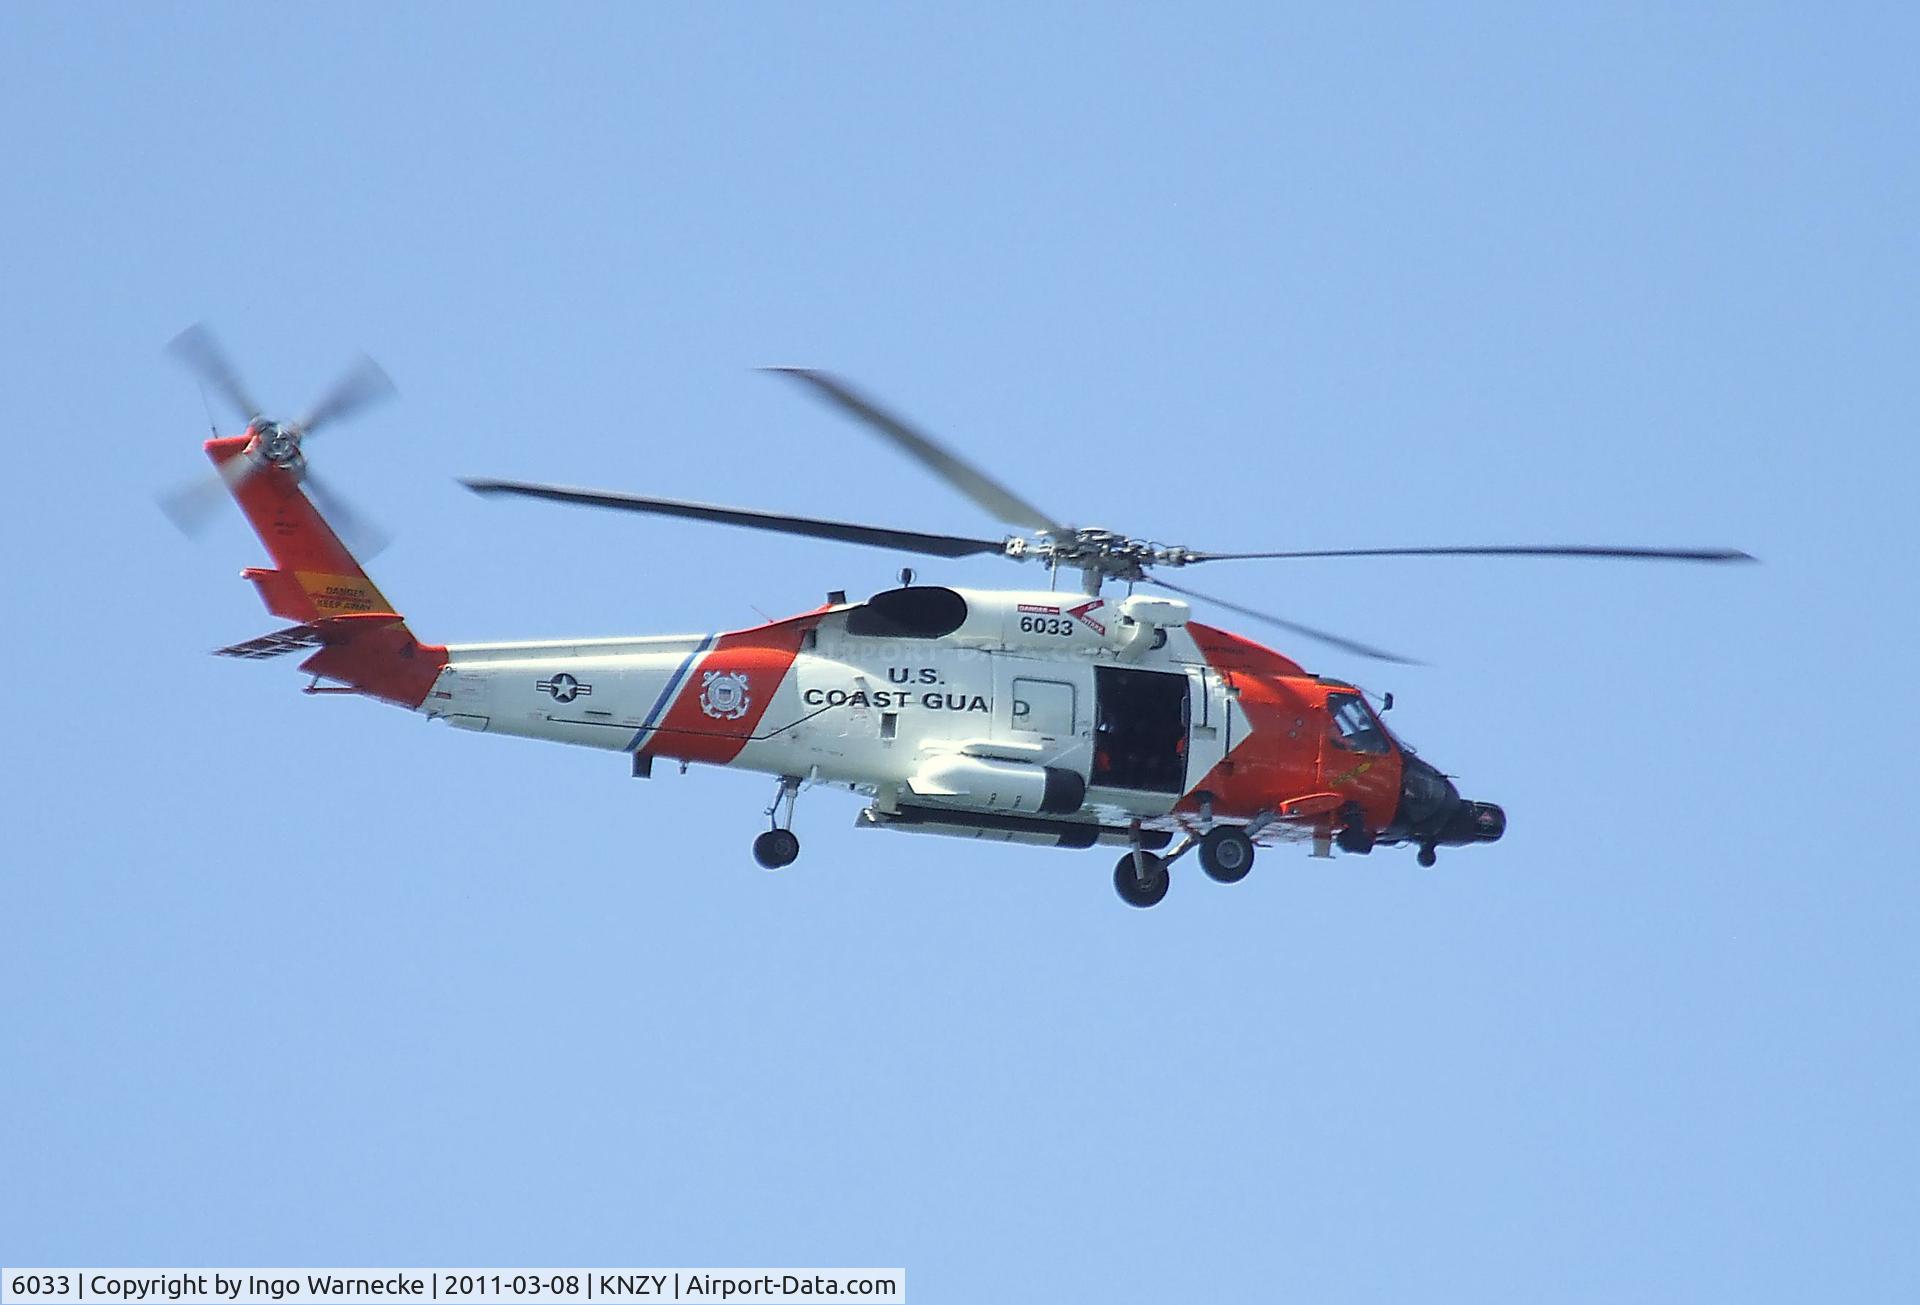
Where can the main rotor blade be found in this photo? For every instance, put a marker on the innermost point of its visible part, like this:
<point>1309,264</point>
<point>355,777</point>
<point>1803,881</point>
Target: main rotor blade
<point>363,385</point>
<point>199,351</point>
<point>976,484</point>
<point>1502,550</point>
<point>845,531</point>
<point>1294,627</point>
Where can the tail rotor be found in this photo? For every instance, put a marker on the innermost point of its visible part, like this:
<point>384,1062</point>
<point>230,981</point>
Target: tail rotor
<point>363,385</point>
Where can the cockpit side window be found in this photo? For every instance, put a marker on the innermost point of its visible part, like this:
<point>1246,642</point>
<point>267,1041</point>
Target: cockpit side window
<point>1354,727</point>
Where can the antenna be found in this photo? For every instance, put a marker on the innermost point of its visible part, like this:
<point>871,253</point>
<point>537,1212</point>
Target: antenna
<point>212,425</point>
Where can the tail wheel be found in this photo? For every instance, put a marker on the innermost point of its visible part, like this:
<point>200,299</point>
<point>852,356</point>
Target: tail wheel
<point>1143,883</point>
<point>1226,854</point>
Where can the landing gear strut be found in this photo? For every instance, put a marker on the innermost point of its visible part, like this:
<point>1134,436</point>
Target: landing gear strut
<point>779,846</point>
<point>1140,877</point>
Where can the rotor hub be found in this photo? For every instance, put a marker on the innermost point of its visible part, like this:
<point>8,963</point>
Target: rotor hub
<point>279,443</point>
<point>1101,553</point>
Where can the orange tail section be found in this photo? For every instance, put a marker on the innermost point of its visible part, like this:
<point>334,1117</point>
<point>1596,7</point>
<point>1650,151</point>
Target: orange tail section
<point>362,642</point>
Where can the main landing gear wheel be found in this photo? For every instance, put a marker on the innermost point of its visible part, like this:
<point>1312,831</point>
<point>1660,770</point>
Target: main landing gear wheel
<point>1143,884</point>
<point>776,848</point>
<point>1226,854</point>
<point>1427,855</point>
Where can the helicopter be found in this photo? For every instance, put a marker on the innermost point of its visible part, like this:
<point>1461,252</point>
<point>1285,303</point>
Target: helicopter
<point>1095,715</point>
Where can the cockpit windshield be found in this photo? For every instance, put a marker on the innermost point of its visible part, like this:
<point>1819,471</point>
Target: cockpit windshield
<point>1354,727</point>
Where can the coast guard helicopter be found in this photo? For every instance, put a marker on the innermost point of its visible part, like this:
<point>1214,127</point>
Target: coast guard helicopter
<point>1041,716</point>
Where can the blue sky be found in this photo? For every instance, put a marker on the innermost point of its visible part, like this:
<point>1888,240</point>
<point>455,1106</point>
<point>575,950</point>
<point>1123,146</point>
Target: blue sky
<point>294,980</point>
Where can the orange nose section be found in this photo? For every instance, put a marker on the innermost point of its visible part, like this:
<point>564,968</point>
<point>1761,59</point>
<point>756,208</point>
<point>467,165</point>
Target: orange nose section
<point>1370,782</point>
<point>1358,759</point>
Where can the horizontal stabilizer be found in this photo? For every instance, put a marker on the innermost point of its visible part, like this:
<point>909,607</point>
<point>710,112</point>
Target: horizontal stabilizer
<point>372,652</point>
<point>277,644</point>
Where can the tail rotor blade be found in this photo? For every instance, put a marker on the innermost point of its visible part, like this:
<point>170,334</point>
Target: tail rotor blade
<point>191,506</point>
<point>356,530</point>
<point>1292,627</point>
<point>364,384</point>
<point>197,349</point>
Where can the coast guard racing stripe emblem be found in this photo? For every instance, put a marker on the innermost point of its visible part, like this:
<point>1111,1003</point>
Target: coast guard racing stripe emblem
<point>724,695</point>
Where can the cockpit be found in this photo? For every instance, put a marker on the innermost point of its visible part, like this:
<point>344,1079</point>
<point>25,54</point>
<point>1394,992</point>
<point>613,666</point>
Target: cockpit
<point>1354,728</point>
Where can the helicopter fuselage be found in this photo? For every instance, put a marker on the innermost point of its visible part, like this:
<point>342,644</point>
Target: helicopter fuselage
<point>1029,715</point>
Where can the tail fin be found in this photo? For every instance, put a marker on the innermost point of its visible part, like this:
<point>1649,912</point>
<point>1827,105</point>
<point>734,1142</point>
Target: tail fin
<point>316,575</point>
<point>315,581</point>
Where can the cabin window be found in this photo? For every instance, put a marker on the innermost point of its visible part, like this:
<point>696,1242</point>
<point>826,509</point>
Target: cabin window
<point>920,612</point>
<point>1354,727</point>
<point>1043,707</point>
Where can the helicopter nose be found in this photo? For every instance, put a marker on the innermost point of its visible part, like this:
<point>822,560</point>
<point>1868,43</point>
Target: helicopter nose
<point>1431,810</point>
<point>1473,822</point>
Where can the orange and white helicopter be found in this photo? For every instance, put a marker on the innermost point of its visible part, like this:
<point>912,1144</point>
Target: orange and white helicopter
<point>1066,719</point>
